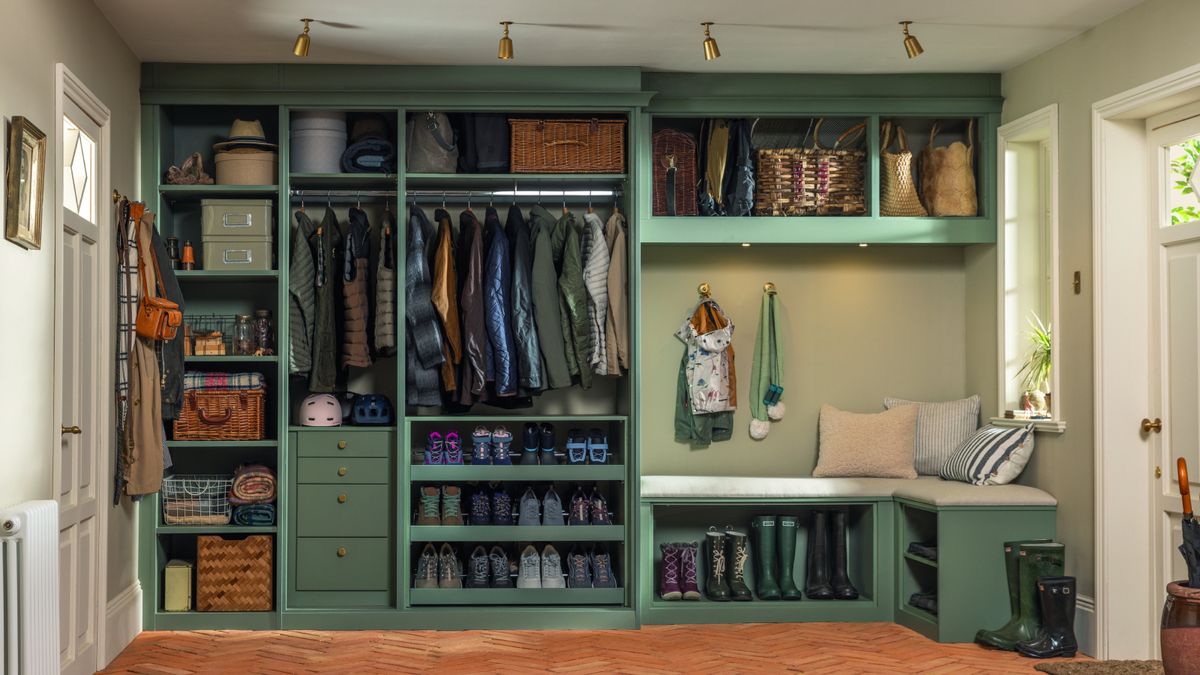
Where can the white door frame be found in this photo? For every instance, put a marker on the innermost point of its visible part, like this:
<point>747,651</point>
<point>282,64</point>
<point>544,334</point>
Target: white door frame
<point>1126,613</point>
<point>68,86</point>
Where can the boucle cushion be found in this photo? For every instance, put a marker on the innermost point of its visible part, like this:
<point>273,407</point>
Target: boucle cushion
<point>876,445</point>
<point>941,428</point>
<point>993,456</point>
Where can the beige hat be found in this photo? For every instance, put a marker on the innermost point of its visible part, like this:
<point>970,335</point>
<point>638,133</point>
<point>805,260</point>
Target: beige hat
<point>245,134</point>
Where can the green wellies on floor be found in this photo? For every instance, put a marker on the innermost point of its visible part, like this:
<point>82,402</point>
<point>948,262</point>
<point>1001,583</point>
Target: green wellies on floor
<point>1025,562</point>
<point>775,538</point>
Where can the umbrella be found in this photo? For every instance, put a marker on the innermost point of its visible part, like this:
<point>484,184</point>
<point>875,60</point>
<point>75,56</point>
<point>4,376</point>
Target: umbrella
<point>1190,548</point>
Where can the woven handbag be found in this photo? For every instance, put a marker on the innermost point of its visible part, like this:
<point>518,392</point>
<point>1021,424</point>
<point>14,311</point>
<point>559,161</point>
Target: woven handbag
<point>948,176</point>
<point>897,187</point>
<point>235,575</point>
<point>674,173</point>
<point>813,181</point>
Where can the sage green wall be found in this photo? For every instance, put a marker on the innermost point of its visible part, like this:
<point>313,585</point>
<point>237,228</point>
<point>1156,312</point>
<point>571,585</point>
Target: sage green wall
<point>859,324</point>
<point>1147,42</point>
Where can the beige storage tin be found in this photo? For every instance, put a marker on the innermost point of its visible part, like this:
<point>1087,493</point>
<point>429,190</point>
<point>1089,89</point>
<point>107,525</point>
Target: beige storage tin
<point>237,253</point>
<point>177,586</point>
<point>235,218</point>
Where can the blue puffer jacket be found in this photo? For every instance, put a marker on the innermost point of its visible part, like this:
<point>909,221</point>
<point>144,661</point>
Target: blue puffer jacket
<point>497,304</point>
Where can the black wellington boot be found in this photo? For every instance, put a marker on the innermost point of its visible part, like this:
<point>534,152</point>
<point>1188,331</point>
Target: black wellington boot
<point>739,557</point>
<point>1057,598</point>
<point>716,582</point>
<point>816,581</point>
<point>842,588</point>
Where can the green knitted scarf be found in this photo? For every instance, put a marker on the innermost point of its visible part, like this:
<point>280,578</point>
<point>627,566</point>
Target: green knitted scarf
<point>766,377</point>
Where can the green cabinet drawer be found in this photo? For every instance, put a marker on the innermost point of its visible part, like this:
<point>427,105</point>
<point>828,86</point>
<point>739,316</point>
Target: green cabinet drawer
<point>346,470</point>
<point>344,443</point>
<point>343,564</point>
<point>342,510</point>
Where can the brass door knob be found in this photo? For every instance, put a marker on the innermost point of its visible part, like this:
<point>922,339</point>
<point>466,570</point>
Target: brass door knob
<point>341,471</point>
<point>341,552</point>
<point>341,445</point>
<point>1149,425</point>
<point>341,499</point>
<point>72,430</point>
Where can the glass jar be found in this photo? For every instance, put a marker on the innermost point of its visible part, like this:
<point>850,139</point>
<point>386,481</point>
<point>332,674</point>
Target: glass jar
<point>243,336</point>
<point>262,332</point>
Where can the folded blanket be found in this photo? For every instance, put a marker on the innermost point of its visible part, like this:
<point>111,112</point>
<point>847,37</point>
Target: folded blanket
<point>200,380</point>
<point>254,514</point>
<point>927,551</point>
<point>253,484</point>
<point>925,601</point>
<point>370,155</point>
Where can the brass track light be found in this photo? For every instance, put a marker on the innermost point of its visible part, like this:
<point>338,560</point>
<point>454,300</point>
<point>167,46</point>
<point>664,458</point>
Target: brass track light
<point>710,45</point>
<point>302,40</point>
<point>911,44</point>
<point>506,46</point>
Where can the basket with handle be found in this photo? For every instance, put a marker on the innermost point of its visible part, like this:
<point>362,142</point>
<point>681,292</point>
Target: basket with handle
<point>567,146</point>
<point>813,181</point>
<point>196,499</point>
<point>897,186</point>
<point>948,175</point>
<point>674,156</point>
<point>221,415</point>
<point>235,575</point>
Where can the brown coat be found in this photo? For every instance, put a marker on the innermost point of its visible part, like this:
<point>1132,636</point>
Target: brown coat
<point>445,299</point>
<point>616,327</point>
<point>143,448</point>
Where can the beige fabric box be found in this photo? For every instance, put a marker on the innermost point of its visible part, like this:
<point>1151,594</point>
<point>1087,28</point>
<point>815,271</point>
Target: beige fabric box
<point>177,586</point>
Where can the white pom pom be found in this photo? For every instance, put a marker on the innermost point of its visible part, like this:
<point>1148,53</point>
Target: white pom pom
<point>776,411</point>
<point>759,429</point>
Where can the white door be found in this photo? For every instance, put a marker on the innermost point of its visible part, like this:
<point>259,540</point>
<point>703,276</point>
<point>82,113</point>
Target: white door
<point>1174,142</point>
<point>82,390</point>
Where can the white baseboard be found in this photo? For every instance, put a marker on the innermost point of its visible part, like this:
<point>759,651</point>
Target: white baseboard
<point>123,619</point>
<point>1085,624</point>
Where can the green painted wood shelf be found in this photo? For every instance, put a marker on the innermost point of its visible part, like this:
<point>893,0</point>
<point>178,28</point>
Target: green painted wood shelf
<point>919,614</point>
<point>515,418</point>
<point>216,620</point>
<point>853,230</point>
<point>216,445</point>
<point>216,529</point>
<point>265,360</point>
<point>227,276</point>
<point>343,181</point>
<point>517,596</point>
<point>519,472</point>
<point>505,181</point>
<point>195,192</point>
<point>706,611</point>
<point>918,559</point>
<point>481,533</point>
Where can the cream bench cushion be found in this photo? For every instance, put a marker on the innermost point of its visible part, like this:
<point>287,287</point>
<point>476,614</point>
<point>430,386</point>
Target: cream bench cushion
<point>926,489</point>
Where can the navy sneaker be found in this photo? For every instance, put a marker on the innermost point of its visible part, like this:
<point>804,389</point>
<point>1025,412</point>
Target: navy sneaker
<point>576,447</point>
<point>502,513</point>
<point>481,508</point>
<point>501,443</point>
<point>547,445</point>
<point>597,447</point>
<point>579,508</point>
<point>481,446</point>
<point>529,453</point>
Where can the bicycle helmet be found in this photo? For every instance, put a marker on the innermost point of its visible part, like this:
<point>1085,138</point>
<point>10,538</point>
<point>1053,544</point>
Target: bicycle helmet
<point>346,400</point>
<point>372,409</point>
<point>320,410</point>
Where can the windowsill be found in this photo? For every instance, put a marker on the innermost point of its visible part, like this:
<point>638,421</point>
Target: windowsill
<point>1044,426</point>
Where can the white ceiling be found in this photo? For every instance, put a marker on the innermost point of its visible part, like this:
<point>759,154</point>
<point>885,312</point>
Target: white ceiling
<point>814,36</point>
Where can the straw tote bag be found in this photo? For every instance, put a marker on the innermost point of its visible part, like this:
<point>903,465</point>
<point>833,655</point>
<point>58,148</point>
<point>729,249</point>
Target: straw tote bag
<point>948,176</point>
<point>897,187</point>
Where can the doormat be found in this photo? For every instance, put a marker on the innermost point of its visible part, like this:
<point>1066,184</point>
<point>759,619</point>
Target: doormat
<point>1102,668</point>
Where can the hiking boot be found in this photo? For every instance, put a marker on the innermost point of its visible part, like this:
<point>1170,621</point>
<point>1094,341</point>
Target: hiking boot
<point>816,581</point>
<point>427,568</point>
<point>451,505</point>
<point>547,445</point>
<point>602,569</point>
<point>688,572</point>
<point>839,578</point>
<point>739,555</point>
<point>716,581</point>
<point>579,508</point>
<point>579,570</point>
<point>576,447</point>
<point>479,569</point>
<point>599,509</point>
<point>788,527</point>
<point>502,512</point>
<point>1006,637</point>
<point>501,574</point>
<point>431,506</point>
<point>481,446</point>
<point>533,439</point>
<point>481,508</point>
<point>1056,597</point>
<point>668,573</point>
<point>552,511</point>
<point>1034,560</point>
<point>454,454</point>
<point>597,447</point>
<point>552,576</point>
<point>529,573</point>
<point>435,449</point>
<point>449,568</point>
<point>501,444</point>
<point>530,512</point>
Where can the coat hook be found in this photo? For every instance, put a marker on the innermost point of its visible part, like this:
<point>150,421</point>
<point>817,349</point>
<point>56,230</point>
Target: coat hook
<point>769,288</point>
<point>704,290</point>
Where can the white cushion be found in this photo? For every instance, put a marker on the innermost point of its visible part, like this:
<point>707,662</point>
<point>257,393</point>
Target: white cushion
<point>993,456</point>
<point>941,428</point>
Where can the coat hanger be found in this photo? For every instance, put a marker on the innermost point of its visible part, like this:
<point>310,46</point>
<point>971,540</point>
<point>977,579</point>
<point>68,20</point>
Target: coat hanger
<point>443,200</point>
<point>590,209</point>
<point>358,196</point>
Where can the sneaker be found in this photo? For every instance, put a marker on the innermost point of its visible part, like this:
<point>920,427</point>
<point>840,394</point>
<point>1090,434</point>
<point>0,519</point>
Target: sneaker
<point>579,508</point>
<point>604,575</point>
<point>481,508</point>
<point>502,512</point>
<point>451,505</point>
<point>453,453</point>
<point>597,447</point>
<point>533,439</point>
<point>479,568</point>
<point>481,446</point>
<point>501,574</point>
<point>547,445</point>
<point>552,512</point>
<point>435,449</point>
<point>529,574</point>
<point>427,568</point>
<point>449,568</point>
<point>579,570</point>
<point>576,447</point>
<point>531,509</point>
<point>431,506</point>
<point>501,444</point>
<point>552,575</point>
<point>599,509</point>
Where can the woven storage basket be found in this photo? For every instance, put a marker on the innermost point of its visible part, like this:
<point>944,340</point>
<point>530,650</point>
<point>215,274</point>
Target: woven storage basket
<point>221,415</point>
<point>813,181</point>
<point>568,146</point>
<point>235,575</point>
<point>897,187</point>
<point>948,176</point>
<point>675,148</point>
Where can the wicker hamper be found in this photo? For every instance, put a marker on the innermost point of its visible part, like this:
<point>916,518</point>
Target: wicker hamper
<point>568,146</point>
<point>813,181</point>
<point>221,415</point>
<point>235,575</point>
<point>673,148</point>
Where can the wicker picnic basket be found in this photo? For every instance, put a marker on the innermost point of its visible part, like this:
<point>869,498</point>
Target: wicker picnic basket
<point>674,149</point>
<point>813,181</point>
<point>221,415</point>
<point>568,146</point>
<point>235,575</point>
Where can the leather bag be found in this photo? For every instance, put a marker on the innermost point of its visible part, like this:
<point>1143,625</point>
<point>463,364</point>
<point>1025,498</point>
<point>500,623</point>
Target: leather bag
<point>432,146</point>
<point>948,176</point>
<point>157,317</point>
<point>897,186</point>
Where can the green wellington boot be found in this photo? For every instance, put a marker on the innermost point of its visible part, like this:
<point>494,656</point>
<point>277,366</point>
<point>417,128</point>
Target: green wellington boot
<point>789,526</point>
<point>1032,560</point>
<point>765,538</point>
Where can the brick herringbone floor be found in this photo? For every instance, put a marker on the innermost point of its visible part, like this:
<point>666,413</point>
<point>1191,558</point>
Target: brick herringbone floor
<point>742,648</point>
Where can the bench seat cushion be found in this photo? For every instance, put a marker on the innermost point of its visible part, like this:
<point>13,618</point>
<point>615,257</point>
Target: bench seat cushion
<point>938,492</point>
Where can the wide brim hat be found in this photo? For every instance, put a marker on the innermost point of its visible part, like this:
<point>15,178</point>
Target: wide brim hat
<point>245,134</point>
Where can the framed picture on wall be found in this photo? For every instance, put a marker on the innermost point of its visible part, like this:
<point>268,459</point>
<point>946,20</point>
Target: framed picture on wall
<point>26,182</point>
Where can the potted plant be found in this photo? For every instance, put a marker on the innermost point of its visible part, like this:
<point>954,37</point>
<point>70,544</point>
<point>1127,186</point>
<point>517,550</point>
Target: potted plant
<point>1035,372</point>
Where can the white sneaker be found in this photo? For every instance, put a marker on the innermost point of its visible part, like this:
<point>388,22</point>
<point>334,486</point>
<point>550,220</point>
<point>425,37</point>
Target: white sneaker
<point>529,574</point>
<point>552,574</point>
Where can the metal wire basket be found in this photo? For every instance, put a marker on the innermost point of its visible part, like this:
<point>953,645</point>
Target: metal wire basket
<point>196,499</point>
<point>204,324</point>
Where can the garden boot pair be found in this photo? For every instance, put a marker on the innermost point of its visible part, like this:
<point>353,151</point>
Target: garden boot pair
<point>677,576</point>
<point>828,578</point>
<point>1056,596</point>
<point>775,537</point>
<point>1025,562</point>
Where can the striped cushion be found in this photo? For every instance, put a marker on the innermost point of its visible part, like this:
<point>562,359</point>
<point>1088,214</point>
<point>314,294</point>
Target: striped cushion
<point>994,456</point>
<point>941,429</point>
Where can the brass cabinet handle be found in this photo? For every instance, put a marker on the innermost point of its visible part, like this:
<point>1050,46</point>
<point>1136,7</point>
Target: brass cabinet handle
<point>341,445</point>
<point>341,471</point>
<point>341,552</point>
<point>341,499</point>
<point>1149,425</point>
<point>72,430</point>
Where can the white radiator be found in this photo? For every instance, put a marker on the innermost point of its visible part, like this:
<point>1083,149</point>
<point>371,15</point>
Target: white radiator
<point>29,589</point>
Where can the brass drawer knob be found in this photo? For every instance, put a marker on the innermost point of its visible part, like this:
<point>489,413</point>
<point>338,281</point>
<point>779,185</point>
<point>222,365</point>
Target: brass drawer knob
<point>341,471</point>
<point>341,445</point>
<point>341,552</point>
<point>341,499</point>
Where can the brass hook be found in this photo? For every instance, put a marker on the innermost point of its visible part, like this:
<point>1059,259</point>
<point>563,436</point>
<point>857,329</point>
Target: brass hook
<point>704,290</point>
<point>769,288</point>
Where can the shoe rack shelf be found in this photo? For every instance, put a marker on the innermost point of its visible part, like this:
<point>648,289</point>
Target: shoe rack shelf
<point>515,533</point>
<point>519,473</point>
<point>517,596</point>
